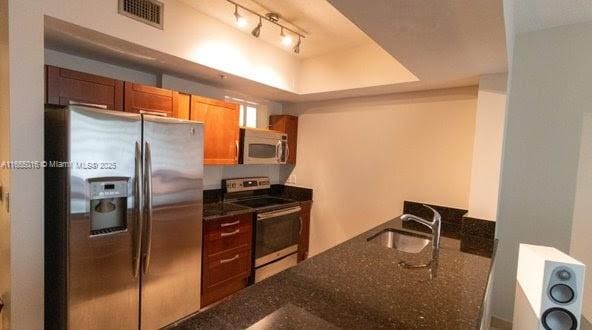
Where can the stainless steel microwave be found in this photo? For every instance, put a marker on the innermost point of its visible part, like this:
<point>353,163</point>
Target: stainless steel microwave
<point>260,146</point>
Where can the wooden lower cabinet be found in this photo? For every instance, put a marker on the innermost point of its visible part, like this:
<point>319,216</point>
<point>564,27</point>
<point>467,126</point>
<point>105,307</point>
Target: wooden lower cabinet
<point>305,234</point>
<point>227,256</point>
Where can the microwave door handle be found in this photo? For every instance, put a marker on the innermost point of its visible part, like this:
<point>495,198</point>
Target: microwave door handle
<point>139,211</point>
<point>287,152</point>
<point>278,154</point>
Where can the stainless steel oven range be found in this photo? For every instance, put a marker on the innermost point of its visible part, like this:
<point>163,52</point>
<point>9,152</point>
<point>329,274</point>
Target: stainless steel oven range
<point>278,224</point>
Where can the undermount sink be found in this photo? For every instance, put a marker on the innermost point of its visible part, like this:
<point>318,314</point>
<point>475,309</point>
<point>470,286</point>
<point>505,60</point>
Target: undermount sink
<point>400,240</point>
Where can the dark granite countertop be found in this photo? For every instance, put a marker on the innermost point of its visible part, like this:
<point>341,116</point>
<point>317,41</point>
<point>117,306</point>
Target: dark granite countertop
<point>359,284</point>
<point>218,210</point>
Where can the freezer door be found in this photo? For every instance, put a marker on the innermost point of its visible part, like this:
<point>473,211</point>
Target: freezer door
<point>173,173</point>
<point>104,150</point>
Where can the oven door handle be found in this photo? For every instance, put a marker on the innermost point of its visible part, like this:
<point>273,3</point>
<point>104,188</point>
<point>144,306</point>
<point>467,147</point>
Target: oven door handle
<point>278,213</point>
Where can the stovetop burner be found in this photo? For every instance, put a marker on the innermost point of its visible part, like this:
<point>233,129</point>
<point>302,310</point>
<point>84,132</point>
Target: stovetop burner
<point>262,202</point>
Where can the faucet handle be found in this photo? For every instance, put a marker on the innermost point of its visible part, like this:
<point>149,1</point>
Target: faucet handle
<point>437,216</point>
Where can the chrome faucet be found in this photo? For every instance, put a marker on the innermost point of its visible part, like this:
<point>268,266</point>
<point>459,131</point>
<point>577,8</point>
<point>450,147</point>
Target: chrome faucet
<point>435,225</point>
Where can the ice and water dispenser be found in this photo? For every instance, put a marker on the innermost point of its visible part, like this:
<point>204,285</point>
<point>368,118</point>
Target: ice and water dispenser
<point>108,205</point>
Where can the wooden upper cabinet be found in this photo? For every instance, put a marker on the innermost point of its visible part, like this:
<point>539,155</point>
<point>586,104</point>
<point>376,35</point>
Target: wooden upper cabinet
<point>148,99</point>
<point>289,125</point>
<point>183,109</point>
<point>221,131</point>
<point>64,87</point>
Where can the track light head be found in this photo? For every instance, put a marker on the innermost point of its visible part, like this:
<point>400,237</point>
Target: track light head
<point>257,30</point>
<point>297,47</point>
<point>286,38</point>
<point>240,20</point>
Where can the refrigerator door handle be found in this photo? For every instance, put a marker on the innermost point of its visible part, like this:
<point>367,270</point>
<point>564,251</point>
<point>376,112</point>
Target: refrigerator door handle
<point>148,198</point>
<point>139,210</point>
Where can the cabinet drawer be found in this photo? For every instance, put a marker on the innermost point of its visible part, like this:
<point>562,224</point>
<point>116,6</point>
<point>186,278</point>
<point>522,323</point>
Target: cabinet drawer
<point>237,238</point>
<point>222,290</point>
<point>226,266</point>
<point>221,228</point>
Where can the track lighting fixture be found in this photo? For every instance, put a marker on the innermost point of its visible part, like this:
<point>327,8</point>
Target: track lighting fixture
<point>241,22</point>
<point>273,18</point>
<point>257,30</point>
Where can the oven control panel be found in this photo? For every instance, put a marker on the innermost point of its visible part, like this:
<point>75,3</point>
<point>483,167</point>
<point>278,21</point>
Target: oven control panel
<point>245,184</point>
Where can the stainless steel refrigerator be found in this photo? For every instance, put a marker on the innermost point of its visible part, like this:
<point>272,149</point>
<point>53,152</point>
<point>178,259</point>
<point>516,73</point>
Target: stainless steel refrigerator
<point>123,219</point>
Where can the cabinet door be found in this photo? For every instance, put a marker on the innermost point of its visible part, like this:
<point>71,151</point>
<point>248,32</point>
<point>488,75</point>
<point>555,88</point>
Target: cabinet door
<point>148,99</point>
<point>289,125</point>
<point>183,109</point>
<point>305,233</point>
<point>221,131</point>
<point>64,87</point>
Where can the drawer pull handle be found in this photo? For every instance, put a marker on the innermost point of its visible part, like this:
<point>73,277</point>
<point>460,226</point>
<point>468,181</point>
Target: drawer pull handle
<point>228,224</point>
<point>225,261</point>
<point>232,233</point>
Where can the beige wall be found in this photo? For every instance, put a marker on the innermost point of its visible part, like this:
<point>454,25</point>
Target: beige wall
<point>549,91</point>
<point>363,157</point>
<point>487,148</point>
<point>359,66</point>
<point>581,244</point>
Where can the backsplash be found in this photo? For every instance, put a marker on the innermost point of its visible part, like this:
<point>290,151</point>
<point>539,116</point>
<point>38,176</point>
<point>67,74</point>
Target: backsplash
<point>213,174</point>
<point>476,236</point>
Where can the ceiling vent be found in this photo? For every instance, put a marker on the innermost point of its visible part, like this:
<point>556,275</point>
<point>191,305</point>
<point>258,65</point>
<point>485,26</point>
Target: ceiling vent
<point>145,11</point>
